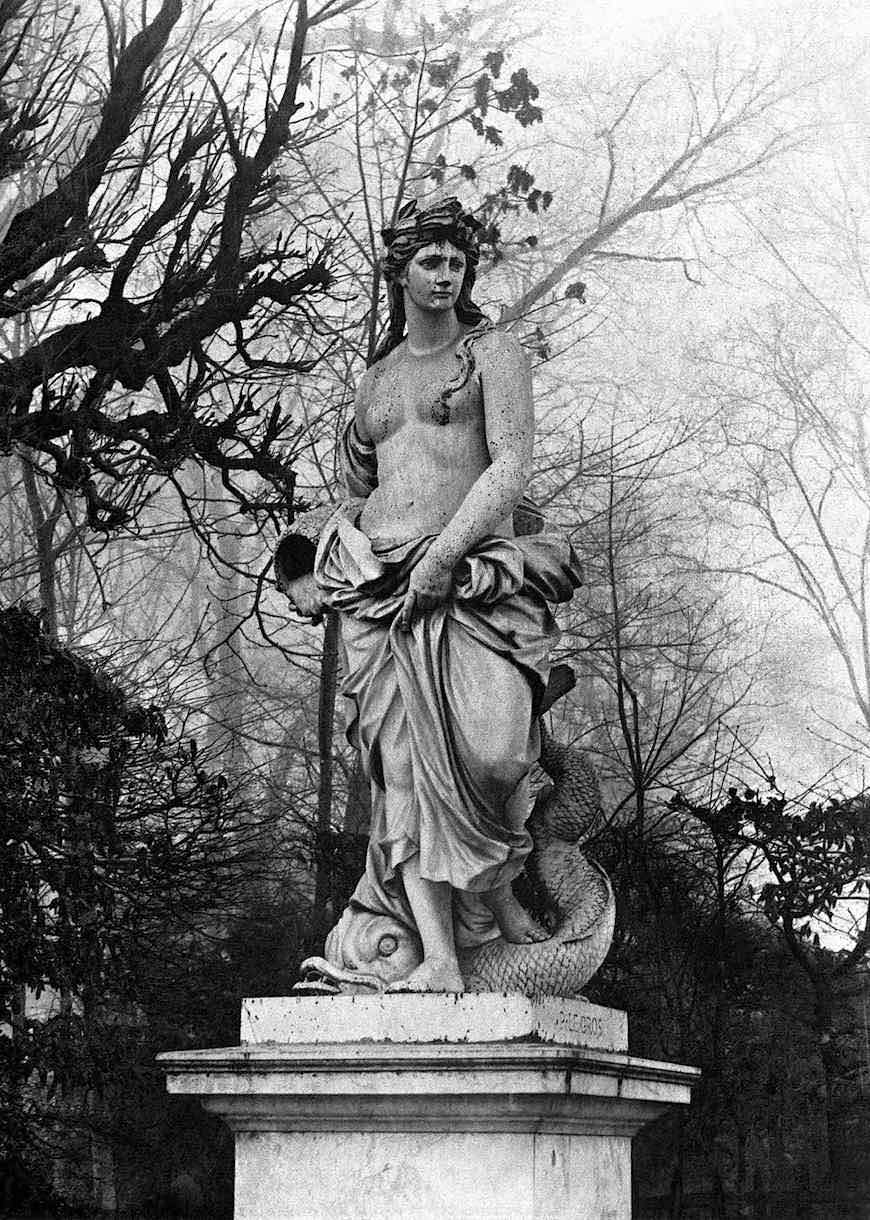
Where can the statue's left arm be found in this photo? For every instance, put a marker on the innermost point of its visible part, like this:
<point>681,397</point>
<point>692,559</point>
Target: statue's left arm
<point>509,420</point>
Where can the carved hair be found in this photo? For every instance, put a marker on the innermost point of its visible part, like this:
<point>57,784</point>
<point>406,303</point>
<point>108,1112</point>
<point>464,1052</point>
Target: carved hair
<point>414,229</point>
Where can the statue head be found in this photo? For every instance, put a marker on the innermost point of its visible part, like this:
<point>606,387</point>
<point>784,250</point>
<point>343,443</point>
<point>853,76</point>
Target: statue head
<point>414,229</point>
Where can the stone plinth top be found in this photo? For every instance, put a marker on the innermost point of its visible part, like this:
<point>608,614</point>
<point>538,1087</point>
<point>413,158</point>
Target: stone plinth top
<point>476,1017</point>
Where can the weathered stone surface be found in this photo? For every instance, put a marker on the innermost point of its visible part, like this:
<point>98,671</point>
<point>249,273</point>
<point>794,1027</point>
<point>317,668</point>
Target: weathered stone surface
<point>420,1177</point>
<point>480,1017</point>
<point>429,1106</point>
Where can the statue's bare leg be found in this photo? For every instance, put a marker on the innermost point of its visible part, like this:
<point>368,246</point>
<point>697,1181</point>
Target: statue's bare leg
<point>514,921</point>
<point>431,904</point>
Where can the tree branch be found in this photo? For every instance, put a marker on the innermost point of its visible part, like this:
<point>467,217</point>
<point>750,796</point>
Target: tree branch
<point>33,235</point>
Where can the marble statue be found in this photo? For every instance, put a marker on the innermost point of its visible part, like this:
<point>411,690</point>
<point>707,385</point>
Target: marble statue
<point>443,574</point>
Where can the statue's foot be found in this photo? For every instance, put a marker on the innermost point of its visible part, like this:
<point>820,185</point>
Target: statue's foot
<point>514,922</point>
<point>517,926</point>
<point>431,975</point>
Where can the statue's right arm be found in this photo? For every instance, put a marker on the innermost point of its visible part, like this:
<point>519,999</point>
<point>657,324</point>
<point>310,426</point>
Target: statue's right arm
<point>295,555</point>
<point>359,463</point>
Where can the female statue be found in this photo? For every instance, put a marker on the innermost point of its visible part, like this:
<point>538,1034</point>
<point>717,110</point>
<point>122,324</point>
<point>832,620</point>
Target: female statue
<point>445,624</point>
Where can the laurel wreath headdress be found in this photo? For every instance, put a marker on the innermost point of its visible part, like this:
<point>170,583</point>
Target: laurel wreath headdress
<point>415,228</point>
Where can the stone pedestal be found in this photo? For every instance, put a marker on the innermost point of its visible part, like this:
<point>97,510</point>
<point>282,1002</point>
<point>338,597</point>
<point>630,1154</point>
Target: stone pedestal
<point>430,1106</point>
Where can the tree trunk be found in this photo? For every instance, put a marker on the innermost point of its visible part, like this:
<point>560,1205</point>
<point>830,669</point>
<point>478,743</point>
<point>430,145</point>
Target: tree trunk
<point>675,1201</point>
<point>823,1021</point>
<point>325,742</point>
<point>225,666</point>
<point>43,533</point>
<point>104,1194</point>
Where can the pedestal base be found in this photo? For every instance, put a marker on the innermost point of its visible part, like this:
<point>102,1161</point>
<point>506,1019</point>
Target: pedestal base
<point>430,1106</point>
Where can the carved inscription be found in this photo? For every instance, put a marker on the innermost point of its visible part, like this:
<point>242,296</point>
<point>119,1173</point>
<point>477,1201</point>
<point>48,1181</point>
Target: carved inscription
<point>593,1026</point>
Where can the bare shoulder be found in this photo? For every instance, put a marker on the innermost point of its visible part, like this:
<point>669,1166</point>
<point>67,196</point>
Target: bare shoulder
<point>375,372</point>
<point>499,351</point>
<point>361,402</point>
<point>367,387</point>
<point>364,386</point>
<point>506,381</point>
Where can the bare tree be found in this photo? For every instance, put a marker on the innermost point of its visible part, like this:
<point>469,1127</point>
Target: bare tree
<point>671,145</point>
<point>149,229</point>
<point>796,502</point>
<point>661,667</point>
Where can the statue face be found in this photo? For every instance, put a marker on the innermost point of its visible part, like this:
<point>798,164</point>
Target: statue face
<point>433,278</point>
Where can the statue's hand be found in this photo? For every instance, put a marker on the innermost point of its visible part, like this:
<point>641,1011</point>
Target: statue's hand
<point>305,597</point>
<point>429,585</point>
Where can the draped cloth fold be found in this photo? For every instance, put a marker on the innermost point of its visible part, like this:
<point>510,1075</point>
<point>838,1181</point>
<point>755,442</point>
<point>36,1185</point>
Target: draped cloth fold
<point>445,714</point>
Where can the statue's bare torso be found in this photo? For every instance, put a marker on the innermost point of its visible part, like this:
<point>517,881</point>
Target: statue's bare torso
<point>425,469</point>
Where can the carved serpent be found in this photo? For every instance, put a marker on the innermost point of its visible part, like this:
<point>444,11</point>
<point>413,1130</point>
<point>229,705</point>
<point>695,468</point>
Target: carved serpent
<point>367,952</point>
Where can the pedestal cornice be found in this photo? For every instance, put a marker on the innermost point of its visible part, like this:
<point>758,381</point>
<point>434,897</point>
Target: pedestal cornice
<point>521,1086</point>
